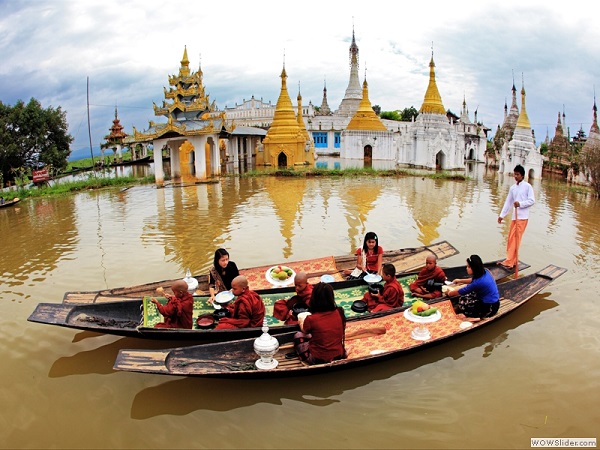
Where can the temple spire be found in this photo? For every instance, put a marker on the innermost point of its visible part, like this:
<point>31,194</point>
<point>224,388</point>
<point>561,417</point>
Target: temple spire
<point>353,93</point>
<point>433,100</point>
<point>523,121</point>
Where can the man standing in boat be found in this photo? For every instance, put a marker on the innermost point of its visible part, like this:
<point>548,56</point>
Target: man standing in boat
<point>520,198</point>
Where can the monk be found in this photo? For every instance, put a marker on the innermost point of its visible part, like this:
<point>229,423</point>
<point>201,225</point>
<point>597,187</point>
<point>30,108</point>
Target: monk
<point>431,271</point>
<point>282,309</point>
<point>392,295</point>
<point>178,310</point>
<point>247,310</point>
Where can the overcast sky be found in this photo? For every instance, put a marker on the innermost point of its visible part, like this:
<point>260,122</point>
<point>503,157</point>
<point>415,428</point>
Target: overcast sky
<point>129,48</point>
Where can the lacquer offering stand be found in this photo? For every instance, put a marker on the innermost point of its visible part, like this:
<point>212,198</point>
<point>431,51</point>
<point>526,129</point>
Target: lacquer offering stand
<point>266,346</point>
<point>421,332</point>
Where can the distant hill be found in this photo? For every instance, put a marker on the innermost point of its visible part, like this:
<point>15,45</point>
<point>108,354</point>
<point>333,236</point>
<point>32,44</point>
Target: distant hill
<point>83,153</point>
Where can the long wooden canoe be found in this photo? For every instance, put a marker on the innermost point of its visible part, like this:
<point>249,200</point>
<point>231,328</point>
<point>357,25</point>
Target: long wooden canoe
<point>12,202</point>
<point>375,339</point>
<point>136,318</point>
<point>405,260</point>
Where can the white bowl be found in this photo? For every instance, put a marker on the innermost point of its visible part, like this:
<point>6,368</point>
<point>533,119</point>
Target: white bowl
<point>372,278</point>
<point>224,297</point>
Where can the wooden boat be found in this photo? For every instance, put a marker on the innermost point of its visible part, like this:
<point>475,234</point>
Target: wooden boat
<point>368,340</point>
<point>405,260</point>
<point>136,318</point>
<point>12,202</point>
<point>144,160</point>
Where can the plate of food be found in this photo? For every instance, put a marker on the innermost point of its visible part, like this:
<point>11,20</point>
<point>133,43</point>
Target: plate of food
<point>280,275</point>
<point>224,297</point>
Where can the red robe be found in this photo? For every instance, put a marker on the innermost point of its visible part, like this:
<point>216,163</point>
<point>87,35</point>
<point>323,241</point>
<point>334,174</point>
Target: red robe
<point>248,310</point>
<point>282,307</point>
<point>391,297</point>
<point>177,312</point>
<point>437,274</point>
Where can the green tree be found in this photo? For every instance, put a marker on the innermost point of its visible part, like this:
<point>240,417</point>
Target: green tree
<point>406,115</point>
<point>31,137</point>
<point>377,109</point>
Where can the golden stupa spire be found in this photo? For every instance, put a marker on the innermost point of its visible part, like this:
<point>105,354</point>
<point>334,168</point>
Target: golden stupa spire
<point>523,121</point>
<point>365,118</point>
<point>285,124</point>
<point>433,100</point>
<point>184,70</point>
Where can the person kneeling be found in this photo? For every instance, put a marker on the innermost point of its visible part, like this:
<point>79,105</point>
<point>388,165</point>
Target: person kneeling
<point>480,298</point>
<point>247,310</point>
<point>322,337</point>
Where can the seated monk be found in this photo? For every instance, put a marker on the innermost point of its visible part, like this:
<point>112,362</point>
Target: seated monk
<point>178,310</point>
<point>392,295</point>
<point>247,310</point>
<point>431,271</point>
<point>282,309</point>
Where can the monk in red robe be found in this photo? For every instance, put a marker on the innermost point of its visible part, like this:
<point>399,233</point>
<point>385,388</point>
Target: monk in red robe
<point>248,309</point>
<point>431,271</point>
<point>282,309</point>
<point>392,295</point>
<point>178,310</point>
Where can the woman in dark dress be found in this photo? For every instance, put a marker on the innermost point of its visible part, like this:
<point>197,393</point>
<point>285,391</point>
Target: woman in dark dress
<point>221,274</point>
<point>322,337</point>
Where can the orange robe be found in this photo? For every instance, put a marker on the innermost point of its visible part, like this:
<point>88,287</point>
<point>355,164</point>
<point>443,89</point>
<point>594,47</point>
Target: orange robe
<point>391,297</point>
<point>248,310</point>
<point>177,312</point>
<point>282,307</point>
<point>437,274</point>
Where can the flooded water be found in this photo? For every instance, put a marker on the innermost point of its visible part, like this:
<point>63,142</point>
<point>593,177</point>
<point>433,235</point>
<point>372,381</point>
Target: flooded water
<point>534,374</point>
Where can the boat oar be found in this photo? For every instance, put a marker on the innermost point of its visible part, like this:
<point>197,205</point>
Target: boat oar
<point>518,243</point>
<point>357,334</point>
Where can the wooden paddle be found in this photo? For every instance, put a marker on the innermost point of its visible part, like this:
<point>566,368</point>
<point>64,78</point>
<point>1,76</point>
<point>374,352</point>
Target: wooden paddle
<point>518,243</point>
<point>357,334</point>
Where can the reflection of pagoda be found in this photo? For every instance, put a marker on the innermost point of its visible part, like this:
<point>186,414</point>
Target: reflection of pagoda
<point>358,203</point>
<point>114,140</point>
<point>287,200</point>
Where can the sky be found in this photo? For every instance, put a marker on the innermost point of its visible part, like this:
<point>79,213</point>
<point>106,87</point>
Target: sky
<point>127,49</point>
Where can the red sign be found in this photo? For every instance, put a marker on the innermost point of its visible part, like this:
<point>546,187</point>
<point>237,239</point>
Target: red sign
<point>40,175</point>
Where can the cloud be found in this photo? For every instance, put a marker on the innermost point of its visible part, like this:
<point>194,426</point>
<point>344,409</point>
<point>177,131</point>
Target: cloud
<point>129,48</point>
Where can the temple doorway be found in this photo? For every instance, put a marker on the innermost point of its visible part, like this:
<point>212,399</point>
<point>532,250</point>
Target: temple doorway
<point>440,161</point>
<point>282,160</point>
<point>368,156</point>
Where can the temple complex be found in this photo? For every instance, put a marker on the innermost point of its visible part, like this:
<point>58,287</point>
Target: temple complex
<point>520,148</point>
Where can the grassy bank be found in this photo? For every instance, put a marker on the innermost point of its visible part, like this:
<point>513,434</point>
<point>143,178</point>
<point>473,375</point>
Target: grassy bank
<point>354,172</point>
<point>69,187</point>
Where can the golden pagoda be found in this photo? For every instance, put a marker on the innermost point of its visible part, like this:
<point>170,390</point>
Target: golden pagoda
<point>433,100</point>
<point>286,143</point>
<point>192,118</point>
<point>364,118</point>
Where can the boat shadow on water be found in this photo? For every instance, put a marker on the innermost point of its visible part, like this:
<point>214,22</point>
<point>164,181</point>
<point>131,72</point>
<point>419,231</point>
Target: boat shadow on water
<point>194,394</point>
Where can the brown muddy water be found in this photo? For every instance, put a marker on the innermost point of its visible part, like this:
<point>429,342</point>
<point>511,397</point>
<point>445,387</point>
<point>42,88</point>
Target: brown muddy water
<point>535,373</point>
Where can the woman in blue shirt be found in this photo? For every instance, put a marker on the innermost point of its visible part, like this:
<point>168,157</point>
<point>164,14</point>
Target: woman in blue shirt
<point>479,298</point>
